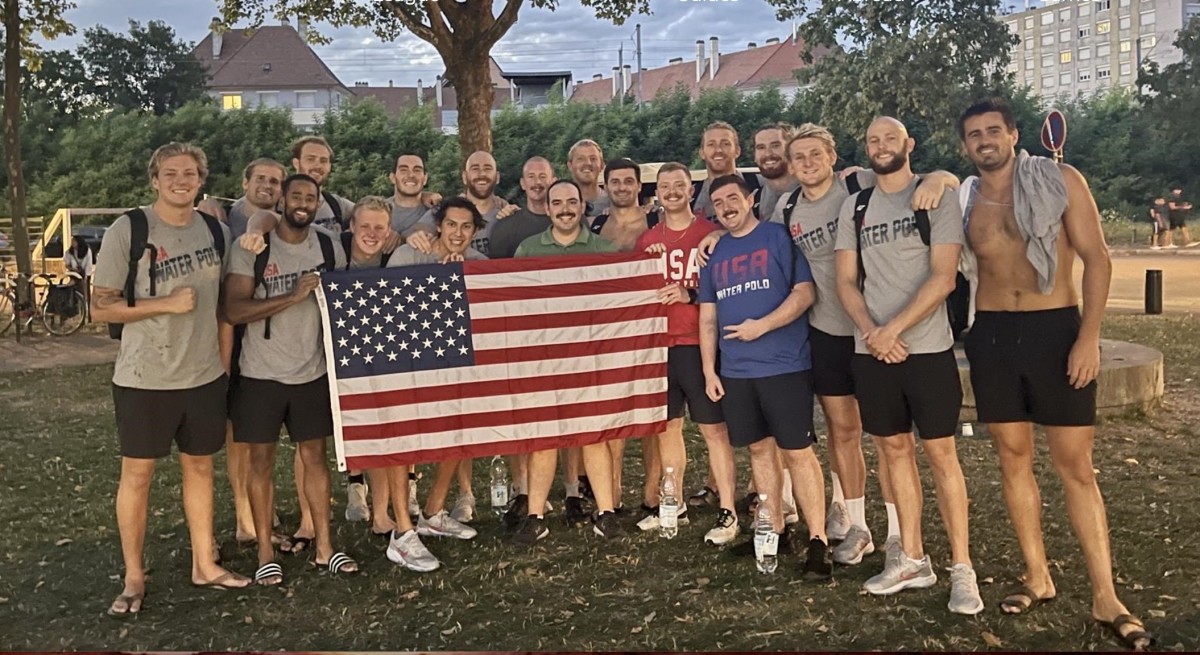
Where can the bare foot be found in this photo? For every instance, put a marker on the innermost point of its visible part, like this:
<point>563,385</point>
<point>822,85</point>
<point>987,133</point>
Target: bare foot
<point>1127,627</point>
<point>218,578</point>
<point>129,602</point>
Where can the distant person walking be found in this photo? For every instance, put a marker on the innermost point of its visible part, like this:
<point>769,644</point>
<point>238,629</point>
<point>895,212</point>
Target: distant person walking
<point>1180,212</point>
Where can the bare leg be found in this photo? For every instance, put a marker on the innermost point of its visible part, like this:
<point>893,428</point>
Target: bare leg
<point>442,479</point>
<point>808,486</point>
<point>764,468</point>
<point>720,462</point>
<point>237,459</point>
<point>542,466</point>
<point>671,453</point>
<point>518,466</point>
<point>1014,444</point>
<point>262,496</point>
<point>572,467</point>
<point>616,456</point>
<point>900,451</point>
<point>465,466</point>
<point>133,495</point>
<point>379,481</point>
<point>317,486</point>
<point>845,444</point>
<point>306,520</point>
<point>198,508</point>
<point>397,482</point>
<point>598,464</point>
<point>951,489</point>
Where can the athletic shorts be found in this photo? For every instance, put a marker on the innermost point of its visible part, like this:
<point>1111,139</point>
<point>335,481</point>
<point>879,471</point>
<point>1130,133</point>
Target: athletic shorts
<point>1019,368</point>
<point>685,385</point>
<point>923,390</point>
<point>148,420</point>
<point>260,407</point>
<point>779,406</point>
<point>831,358</point>
<point>1178,220</point>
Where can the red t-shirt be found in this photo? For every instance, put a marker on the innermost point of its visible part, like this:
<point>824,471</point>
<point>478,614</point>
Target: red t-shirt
<point>683,319</point>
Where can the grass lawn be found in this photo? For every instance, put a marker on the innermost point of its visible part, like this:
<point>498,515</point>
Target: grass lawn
<point>60,561</point>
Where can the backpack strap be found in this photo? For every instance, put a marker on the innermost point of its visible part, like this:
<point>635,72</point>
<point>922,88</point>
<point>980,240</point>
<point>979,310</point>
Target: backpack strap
<point>852,183</point>
<point>326,243</point>
<point>598,222</point>
<point>790,205</point>
<point>860,214</point>
<point>214,227</point>
<point>260,277</point>
<point>347,239</point>
<point>383,258</point>
<point>922,218</point>
<point>139,242</point>
<point>335,206</point>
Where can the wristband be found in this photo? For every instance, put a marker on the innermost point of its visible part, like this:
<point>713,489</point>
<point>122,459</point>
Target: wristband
<point>693,297</point>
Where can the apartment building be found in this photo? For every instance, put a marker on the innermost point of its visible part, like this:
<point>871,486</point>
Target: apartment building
<point>1073,47</point>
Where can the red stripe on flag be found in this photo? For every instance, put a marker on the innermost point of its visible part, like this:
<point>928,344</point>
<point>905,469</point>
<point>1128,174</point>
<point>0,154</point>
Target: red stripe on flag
<point>566,290</point>
<point>564,320</point>
<point>466,390</point>
<point>550,263</point>
<point>514,447</point>
<point>407,429</point>
<point>569,350</point>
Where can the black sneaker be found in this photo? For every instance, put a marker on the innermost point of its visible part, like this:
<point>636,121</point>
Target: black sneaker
<point>608,525</point>
<point>518,509</point>
<point>531,530</point>
<point>576,513</point>
<point>706,496</point>
<point>746,548</point>
<point>585,489</point>
<point>817,566</point>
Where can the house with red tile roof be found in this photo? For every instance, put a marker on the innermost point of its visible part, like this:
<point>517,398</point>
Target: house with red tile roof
<point>775,61</point>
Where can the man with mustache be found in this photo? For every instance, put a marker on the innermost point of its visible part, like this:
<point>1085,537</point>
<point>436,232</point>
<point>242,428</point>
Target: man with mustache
<point>283,380</point>
<point>585,161</point>
<point>894,269</point>
<point>566,236</point>
<point>536,177</point>
<point>1034,358</point>
<point>753,297</point>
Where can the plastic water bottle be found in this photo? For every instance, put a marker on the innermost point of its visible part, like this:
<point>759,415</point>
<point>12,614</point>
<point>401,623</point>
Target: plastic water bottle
<point>766,542</point>
<point>499,483</point>
<point>668,505</point>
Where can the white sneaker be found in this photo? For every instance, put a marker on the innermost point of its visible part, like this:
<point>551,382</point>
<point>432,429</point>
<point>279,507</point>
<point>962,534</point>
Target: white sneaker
<point>650,521</point>
<point>444,525</point>
<point>790,515</point>
<point>464,509</point>
<point>964,591</point>
<point>837,522</point>
<point>854,547</point>
<point>906,574</point>
<point>1156,247</point>
<point>356,502</point>
<point>414,507</point>
<point>408,551</point>
<point>725,531</point>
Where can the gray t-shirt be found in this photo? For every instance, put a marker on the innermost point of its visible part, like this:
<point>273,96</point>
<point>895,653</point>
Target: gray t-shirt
<point>325,217</point>
<point>768,197</point>
<point>238,216</point>
<point>483,237</point>
<point>406,220</point>
<point>897,262</point>
<point>813,227</point>
<point>406,255</point>
<point>600,205</point>
<point>168,351</point>
<point>511,231</point>
<point>294,354</point>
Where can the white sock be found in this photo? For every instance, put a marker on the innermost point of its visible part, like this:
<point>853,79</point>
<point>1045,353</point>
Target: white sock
<point>519,488</point>
<point>857,507</point>
<point>893,520</point>
<point>572,489</point>
<point>838,495</point>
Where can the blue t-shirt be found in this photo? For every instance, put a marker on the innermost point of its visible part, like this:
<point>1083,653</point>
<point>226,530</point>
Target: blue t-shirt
<point>749,277</point>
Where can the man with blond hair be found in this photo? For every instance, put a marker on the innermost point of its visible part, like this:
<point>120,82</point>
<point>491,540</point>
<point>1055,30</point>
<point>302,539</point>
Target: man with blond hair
<point>585,161</point>
<point>168,382</point>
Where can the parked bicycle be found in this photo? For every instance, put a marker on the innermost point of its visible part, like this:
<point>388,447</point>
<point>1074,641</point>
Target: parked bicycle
<point>54,299</point>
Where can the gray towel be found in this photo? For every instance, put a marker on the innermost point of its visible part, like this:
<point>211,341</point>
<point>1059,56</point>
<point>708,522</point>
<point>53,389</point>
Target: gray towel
<point>1039,200</point>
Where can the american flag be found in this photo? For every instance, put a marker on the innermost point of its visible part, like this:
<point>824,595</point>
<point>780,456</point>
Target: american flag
<point>478,358</point>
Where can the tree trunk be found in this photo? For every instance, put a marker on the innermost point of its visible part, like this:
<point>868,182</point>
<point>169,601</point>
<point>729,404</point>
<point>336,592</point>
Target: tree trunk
<point>12,136</point>
<point>470,73</point>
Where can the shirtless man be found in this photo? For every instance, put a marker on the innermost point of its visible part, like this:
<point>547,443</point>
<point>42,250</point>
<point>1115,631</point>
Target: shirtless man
<point>1034,358</point>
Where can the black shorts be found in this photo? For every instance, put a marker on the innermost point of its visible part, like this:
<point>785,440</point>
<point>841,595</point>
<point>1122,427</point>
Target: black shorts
<point>779,406</point>
<point>148,420</point>
<point>1019,368</point>
<point>685,385</point>
<point>1178,221</point>
<point>924,390</point>
<point>260,407</point>
<point>831,357</point>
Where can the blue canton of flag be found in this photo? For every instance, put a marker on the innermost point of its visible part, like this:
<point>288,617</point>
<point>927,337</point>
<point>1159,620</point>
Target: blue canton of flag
<point>397,320</point>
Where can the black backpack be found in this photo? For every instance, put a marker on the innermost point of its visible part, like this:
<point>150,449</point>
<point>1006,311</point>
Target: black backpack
<point>334,206</point>
<point>957,303</point>
<point>139,243</point>
<point>260,266</point>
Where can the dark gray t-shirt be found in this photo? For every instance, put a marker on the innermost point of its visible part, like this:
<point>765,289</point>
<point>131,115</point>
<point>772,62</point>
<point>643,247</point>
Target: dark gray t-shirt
<point>813,227</point>
<point>238,216</point>
<point>897,263</point>
<point>406,220</point>
<point>511,231</point>
<point>483,237</point>
<point>325,217</point>
<point>768,198</point>
<point>600,205</point>
<point>406,255</point>
<point>168,351</point>
<point>294,354</point>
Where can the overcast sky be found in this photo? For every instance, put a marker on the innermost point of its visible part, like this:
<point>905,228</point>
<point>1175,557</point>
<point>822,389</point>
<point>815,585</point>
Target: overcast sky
<point>568,38</point>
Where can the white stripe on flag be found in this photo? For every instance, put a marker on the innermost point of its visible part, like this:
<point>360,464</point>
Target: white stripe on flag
<point>474,436</point>
<point>516,401</point>
<point>504,308</point>
<point>580,334</point>
<point>565,275</point>
<point>503,371</point>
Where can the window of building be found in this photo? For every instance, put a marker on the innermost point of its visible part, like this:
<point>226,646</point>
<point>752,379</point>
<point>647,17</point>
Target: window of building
<point>1102,74</point>
<point>1029,22</point>
<point>268,98</point>
<point>1085,9</point>
<point>1048,18</point>
<point>1047,81</point>
<point>1103,5</point>
<point>1064,15</point>
<point>1085,32</point>
<point>1122,3</point>
<point>1124,22</point>
<point>1126,46</point>
<point>1148,18</point>
<point>1064,57</point>
<point>1028,64</point>
<point>1149,42</point>
<point>1012,26</point>
<point>1064,36</point>
<point>1085,53</point>
<point>1027,43</point>
<point>1103,27</point>
<point>306,99</point>
<point>1047,61</point>
<point>1064,79</point>
<point>1085,76</point>
<point>1047,39</point>
<point>231,101</point>
<point>1012,67</point>
<point>1103,51</point>
<point>1126,69</point>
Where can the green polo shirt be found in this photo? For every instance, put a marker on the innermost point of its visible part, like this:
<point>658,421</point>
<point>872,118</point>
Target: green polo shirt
<point>544,244</point>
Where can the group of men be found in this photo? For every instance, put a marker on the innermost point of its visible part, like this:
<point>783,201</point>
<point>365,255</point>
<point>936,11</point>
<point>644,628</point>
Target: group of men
<point>793,283</point>
<point>1168,215</point>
